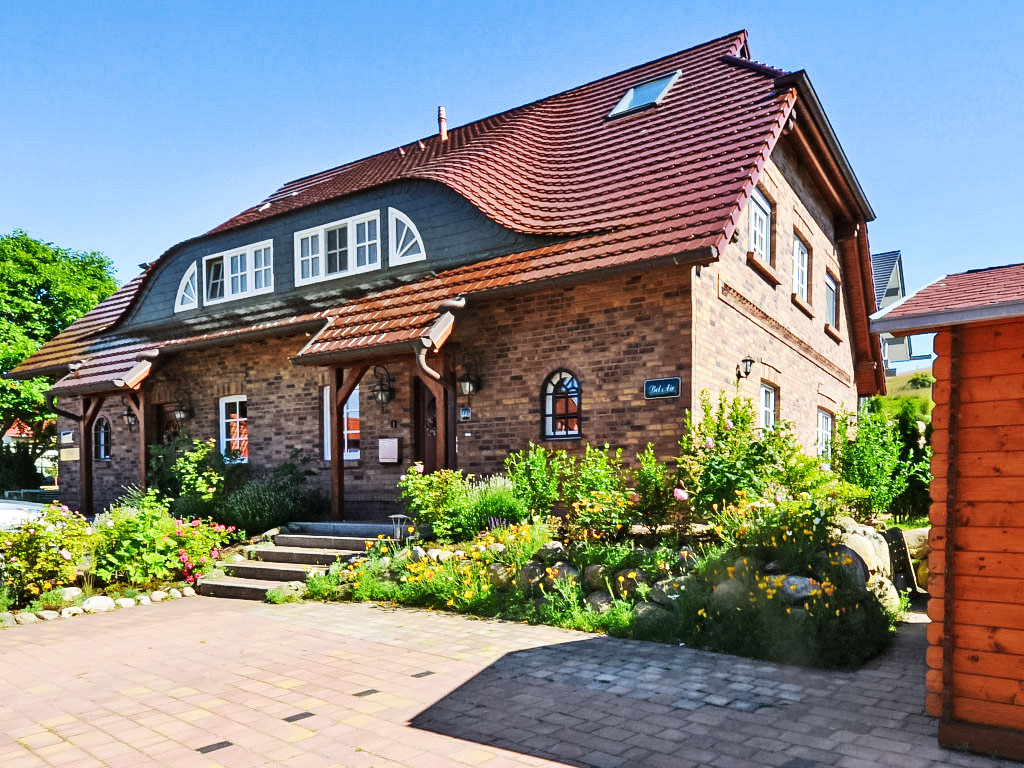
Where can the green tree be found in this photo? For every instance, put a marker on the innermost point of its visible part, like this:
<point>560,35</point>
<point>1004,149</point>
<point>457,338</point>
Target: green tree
<point>43,289</point>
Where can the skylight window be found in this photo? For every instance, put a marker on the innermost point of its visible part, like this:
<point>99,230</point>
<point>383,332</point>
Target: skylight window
<point>647,94</point>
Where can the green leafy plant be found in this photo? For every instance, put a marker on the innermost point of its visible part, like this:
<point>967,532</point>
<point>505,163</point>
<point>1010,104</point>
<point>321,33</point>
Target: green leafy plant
<point>600,469</point>
<point>536,475</point>
<point>441,500</point>
<point>493,500</point>
<point>654,484</point>
<point>42,553</point>
<point>272,499</point>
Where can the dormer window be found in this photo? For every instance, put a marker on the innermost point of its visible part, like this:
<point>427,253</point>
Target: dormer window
<point>340,248</point>
<point>404,242</point>
<point>188,290</point>
<point>240,272</point>
<point>646,94</point>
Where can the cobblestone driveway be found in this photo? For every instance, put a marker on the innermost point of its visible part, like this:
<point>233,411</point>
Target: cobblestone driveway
<point>207,682</point>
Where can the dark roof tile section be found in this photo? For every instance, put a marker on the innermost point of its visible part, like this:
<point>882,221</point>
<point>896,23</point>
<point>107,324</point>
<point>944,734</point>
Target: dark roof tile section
<point>882,265</point>
<point>976,295</point>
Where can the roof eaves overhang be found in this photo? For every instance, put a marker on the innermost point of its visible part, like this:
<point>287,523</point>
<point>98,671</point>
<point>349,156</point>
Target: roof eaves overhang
<point>809,98</point>
<point>928,322</point>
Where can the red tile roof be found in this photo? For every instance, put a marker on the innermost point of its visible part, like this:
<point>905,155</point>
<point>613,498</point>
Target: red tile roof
<point>662,183</point>
<point>973,296</point>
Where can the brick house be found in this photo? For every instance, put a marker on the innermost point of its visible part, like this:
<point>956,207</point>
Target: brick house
<point>574,270</point>
<point>976,638</point>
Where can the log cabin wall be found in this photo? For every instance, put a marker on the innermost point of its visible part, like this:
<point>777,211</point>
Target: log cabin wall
<point>975,675</point>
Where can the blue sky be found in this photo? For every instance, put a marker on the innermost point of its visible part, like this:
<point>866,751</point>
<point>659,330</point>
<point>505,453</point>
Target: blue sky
<point>129,127</point>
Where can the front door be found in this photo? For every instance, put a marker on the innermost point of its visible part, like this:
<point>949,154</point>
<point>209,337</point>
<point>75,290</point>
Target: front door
<point>424,426</point>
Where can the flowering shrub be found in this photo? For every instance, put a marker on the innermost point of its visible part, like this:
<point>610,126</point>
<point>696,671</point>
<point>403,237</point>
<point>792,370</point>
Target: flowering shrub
<point>536,475</point>
<point>441,500</point>
<point>42,554</point>
<point>601,515</point>
<point>656,491</point>
<point>138,541</point>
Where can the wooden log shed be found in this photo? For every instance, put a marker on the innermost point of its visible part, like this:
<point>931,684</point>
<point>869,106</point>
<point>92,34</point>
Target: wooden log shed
<point>975,677</point>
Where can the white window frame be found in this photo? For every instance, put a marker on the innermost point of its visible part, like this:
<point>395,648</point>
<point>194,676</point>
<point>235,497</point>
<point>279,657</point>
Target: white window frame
<point>801,267</point>
<point>190,279</point>
<point>351,224</point>
<point>760,235</point>
<point>351,408</point>
<point>626,105</point>
<point>238,270</point>
<point>769,405</point>
<point>831,313</point>
<point>826,428</point>
<point>396,217</point>
<point>223,421</point>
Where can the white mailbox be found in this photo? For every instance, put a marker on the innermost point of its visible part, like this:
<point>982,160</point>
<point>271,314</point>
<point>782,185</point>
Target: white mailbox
<point>387,450</point>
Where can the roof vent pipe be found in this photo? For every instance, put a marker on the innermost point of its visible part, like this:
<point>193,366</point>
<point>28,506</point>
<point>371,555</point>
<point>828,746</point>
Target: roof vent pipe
<point>442,123</point>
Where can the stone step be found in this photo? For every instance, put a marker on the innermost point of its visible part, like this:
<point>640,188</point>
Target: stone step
<point>254,569</point>
<point>309,541</point>
<point>306,555</point>
<point>357,530</point>
<point>239,589</point>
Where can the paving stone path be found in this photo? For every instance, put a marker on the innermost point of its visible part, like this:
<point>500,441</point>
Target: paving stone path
<point>208,682</point>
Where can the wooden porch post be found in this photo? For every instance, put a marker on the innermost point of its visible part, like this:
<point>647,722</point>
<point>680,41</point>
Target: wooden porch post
<point>443,398</point>
<point>341,389</point>
<point>90,409</point>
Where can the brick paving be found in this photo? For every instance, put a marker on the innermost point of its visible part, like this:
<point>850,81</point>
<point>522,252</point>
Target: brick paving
<point>314,685</point>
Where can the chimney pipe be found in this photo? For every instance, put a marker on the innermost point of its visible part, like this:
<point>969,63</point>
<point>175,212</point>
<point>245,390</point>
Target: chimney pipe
<point>442,123</point>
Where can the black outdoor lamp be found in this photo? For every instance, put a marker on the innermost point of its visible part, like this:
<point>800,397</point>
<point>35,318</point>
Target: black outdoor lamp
<point>383,389</point>
<point>183,409</point>
<point>743,369</point>
<point>128,416</point>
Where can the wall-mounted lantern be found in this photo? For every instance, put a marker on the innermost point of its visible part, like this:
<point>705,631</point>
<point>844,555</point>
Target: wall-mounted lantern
<point>384,388</point>
<point>469,381</point>
<point>183,409</point>
<point>128,415</point>
<point>743,369</point>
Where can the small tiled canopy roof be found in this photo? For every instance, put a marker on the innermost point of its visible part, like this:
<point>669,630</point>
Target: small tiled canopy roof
<point>977,295</point>
<point>668,182</point>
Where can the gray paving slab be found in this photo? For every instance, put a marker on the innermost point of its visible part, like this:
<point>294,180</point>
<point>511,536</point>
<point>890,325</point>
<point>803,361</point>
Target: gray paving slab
<point>208,682</point>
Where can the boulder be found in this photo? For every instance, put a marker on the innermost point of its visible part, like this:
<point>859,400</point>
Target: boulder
<point>125,602</point>
<point>627,580</point>
<point>599,601</point>
<point>883,589</point>
<point>70,611</point>
<point>853,564</point>
<point>561,572</point>
<point>416,554</point>
<point>98,604</point>
<point>550,553</point>
<point>872,548</point>
<point>917,542</point>
<point>922,574</point>
<point>433,554</point>
<point>651,619</point>
<point>158,596</point>
<point>144,600</point>
<point>188,592</point>
<point>497,548</point>
<point>595,577</point>
<point>444,555</point>
<point>24,617</point>
<point>174,594</point>
<point>7,619</point>
<point>70,594</point>
<point>47,615</point>
<point>530,575</point>
<point>729,594</point>
<point>666,592</point>
<point>796,589</point>
<point>499,575</point>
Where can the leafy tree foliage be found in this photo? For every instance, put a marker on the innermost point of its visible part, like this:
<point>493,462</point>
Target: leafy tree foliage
<point>43,289</point>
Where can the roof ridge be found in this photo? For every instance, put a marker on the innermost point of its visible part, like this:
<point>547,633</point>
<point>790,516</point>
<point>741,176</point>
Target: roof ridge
<point>756,66</point>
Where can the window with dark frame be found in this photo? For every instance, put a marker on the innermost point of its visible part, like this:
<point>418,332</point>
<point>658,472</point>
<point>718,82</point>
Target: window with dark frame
<point>561,406</point>
<point>101,439</point>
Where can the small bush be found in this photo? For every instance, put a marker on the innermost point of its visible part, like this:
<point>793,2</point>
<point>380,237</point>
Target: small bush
<point>600,470</point>
<point>42,554</point>
<point>494,501</point>
<point>536,475</point>
<point>441,500</point>
<point>654,484</point>
<point>271,500</point>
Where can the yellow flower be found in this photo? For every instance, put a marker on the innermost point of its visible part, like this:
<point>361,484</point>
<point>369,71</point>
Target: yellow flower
<point>702,613</point>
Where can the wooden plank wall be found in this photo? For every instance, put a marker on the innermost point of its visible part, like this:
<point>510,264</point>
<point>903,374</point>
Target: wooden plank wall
<point>987,672</point>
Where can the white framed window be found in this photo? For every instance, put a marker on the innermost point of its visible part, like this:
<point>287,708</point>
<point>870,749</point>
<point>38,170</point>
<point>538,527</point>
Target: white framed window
<point>343,247</point>
<point>801,267</point>
<point>831,301</point>
<point>645,94</point>
<point>234,427</point>
<point>349,430</point>
<point>769,405</point>
<point>240,272</point>
<point>404,242</point>
<point>188,290</point>
<point>825,426</point>
<point>761,227</point>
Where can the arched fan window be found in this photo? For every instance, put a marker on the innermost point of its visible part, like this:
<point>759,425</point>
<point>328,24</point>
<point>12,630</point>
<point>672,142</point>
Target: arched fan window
<point>404,242</point>
<point>188,290</point>
<point>561,406</point>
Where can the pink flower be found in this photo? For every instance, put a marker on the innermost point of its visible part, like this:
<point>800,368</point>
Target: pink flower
<point>680,494</point>
<point>196,523</point>
<point>183,558</point>
<point>729,424</point>
<point>202,559</point>
<point>190,578</point>
<point>709,443</point>
<point>778,498</point>
<point>214,553</point>
<point>181,551</point>
<point>65,555</point>
<point>418,468</point>
<point>231,529</point>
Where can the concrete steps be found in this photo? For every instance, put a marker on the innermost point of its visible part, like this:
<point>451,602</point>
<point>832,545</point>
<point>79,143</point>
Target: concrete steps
<point>300,549</point>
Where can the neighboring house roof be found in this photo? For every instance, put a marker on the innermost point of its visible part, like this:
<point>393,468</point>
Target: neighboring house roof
<point>666,182</point>
<point>977,295</point>
<point>18,430</point>
<point>882,267</point>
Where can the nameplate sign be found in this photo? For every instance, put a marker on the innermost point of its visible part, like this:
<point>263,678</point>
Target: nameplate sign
<point>656,389</point>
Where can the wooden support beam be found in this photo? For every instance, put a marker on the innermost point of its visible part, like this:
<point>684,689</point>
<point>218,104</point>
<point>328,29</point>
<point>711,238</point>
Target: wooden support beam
<point>342,387</point>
